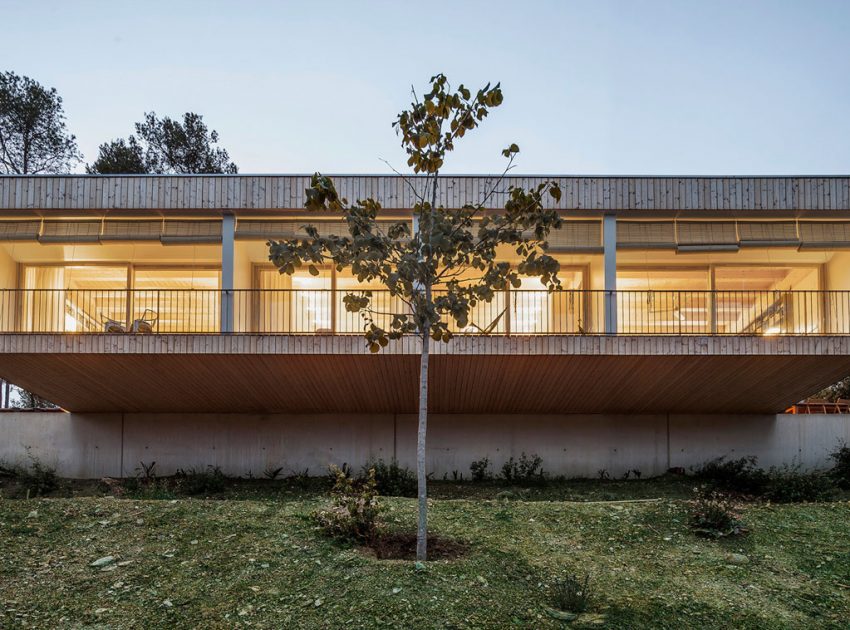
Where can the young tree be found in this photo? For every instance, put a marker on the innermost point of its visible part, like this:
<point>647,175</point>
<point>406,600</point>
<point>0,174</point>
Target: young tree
<point>165,146</point>
<point>33,137</point>
<point>446,262</point>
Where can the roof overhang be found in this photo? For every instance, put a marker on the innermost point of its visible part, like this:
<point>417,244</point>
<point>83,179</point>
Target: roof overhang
<point>301,374</point>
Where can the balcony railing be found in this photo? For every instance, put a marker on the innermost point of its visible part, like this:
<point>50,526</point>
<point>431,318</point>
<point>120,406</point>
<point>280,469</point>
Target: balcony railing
<point>513,312</point>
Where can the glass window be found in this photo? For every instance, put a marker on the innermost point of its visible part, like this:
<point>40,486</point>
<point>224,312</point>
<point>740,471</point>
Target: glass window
<point>177,300</point>
<point>74,298</point>
<point>768,300</point>
<point>669,301</point>
<point>534,310</point>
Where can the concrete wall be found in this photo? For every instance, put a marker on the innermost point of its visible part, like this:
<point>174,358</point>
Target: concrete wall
<point>96,445</point>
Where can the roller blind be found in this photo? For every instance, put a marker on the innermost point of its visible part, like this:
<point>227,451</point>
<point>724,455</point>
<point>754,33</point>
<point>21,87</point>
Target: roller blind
<point>646,234</point>
<point>179,232</point>
<point>287,229</point>
<point>768,233</point>
<point>706,236</point>
<point>19,230</point>
<point>577,236</point>
<point>130,230</point>
<point>86,231</point>
<point>825,233</point>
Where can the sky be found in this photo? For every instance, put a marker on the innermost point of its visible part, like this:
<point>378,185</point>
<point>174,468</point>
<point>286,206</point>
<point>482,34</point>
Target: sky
<point>629,87</point>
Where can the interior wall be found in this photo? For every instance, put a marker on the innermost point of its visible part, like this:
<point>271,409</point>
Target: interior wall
<point>96,445</point>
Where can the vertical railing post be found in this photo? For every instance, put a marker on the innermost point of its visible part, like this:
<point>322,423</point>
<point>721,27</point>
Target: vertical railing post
<point>228,232</point>
<point>609,255</point>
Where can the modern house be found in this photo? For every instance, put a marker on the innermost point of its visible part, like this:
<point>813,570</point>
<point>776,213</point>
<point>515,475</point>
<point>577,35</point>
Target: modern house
<point>694,311</point>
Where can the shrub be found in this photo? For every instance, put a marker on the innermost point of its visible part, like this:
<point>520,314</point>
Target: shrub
<point>480,469</point>
<point>392,480</point>
<point>840,472</point>
<point>525,469</point>
<point>734,475</point>
<point>789,485</point>
<point>194,482</point>
<point>355,508</point>
<point>714,516</point>
<point>37,478</point>
<point>570,593</point>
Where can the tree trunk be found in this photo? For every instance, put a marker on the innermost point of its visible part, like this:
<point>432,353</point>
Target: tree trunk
<point>422,477</point>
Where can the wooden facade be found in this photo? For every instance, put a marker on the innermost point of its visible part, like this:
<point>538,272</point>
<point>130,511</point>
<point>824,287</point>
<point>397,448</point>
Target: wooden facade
<point>54,194</point>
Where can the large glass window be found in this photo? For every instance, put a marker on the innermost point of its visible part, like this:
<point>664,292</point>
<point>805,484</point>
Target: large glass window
<point>534,310</point>
<point>177,300</point>
<point>72,298</point>
<point>663,301</point>
<point>767,300</point>
<point>93,298</point>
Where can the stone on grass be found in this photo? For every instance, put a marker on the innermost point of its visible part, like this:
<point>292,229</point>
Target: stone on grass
<point>102,562</point>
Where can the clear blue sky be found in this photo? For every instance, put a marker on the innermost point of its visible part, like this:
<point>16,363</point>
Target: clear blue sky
<point>630,87</point>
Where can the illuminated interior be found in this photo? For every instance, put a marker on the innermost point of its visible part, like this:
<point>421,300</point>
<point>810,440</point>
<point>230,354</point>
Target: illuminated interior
<point>749,299</point>
<point>88,298</point>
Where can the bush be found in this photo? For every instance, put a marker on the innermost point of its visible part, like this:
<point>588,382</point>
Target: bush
<point>194,482</point>
<point>37,478</point>
<point>392,480</point>
<point>734,475</point>
<point>840,473</point>
<point>789,485</point>
<point>713,515</point>
<point>355,508</point>
<point>526,469</point>
<point>570,593</point>
<point>480,469</point>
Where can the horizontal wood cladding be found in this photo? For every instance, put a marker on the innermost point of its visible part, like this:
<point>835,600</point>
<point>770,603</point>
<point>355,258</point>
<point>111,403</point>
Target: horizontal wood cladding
<point>286,192</point>
<point>530,345</point>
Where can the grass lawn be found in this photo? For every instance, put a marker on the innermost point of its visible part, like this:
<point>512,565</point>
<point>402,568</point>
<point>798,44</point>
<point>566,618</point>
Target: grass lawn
<point>252,558</point>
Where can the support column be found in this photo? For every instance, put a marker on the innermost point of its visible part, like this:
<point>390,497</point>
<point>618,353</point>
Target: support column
<point>228,231</point>
<point>609,254</point>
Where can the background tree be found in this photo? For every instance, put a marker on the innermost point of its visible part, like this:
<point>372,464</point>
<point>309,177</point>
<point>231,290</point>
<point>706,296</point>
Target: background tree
<point>33,136</point>
<point>165,146</point>
<point>119,157</point>
<point>446,262</point>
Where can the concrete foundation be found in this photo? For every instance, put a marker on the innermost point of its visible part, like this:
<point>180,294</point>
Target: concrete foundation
<point>97,445</point>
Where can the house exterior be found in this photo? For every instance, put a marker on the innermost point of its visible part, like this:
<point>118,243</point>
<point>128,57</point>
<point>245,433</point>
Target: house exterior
<point>694,311</point>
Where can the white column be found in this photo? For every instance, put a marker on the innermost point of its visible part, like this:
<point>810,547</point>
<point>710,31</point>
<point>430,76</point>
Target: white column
<point>228,230</point>
<point>609,255</point>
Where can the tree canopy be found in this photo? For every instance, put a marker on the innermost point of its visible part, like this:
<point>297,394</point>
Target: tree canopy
<point>165,146</point>
<point>33,135</point>
<point>441,264</point>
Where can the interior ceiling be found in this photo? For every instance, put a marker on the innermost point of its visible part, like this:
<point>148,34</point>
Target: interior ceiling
<point>299,383</point>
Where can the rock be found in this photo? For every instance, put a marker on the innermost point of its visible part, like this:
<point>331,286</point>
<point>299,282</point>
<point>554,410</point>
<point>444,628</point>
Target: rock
<point>33,514</point>
<point>419,565</point>
<point>561,615</point>
<point>167,603</point>
<point>102,562</point>
<point>737,559</point>
<point>396,590</point>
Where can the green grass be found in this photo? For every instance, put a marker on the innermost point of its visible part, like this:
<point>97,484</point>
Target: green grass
<point>254,559</point>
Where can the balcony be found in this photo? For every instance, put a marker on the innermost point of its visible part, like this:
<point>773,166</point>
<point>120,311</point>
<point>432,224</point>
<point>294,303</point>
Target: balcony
<point>510,313</point>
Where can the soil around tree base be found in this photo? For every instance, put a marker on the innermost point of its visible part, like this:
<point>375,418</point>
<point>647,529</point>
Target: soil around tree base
<point>402,546</point>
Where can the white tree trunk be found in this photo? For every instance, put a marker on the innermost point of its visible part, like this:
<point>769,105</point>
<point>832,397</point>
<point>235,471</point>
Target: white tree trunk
<point>422,477</point>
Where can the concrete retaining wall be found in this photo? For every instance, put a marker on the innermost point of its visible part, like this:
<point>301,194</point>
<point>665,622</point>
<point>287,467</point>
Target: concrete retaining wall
<point>96,445</point>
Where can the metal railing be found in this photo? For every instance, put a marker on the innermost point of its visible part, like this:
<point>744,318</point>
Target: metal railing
<point>511,312</point>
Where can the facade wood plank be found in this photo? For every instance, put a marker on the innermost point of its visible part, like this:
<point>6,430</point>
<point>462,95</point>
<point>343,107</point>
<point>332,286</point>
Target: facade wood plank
<point>236,192</point>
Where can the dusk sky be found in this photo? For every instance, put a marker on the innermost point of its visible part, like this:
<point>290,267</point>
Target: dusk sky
<point>630,87</point>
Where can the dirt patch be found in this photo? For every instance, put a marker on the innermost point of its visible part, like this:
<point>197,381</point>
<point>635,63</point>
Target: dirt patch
<point>402,546</point>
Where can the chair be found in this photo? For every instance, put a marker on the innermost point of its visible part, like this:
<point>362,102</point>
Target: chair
<point>113,326</point>
<point>145,324</point>
<point>491,326</point>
